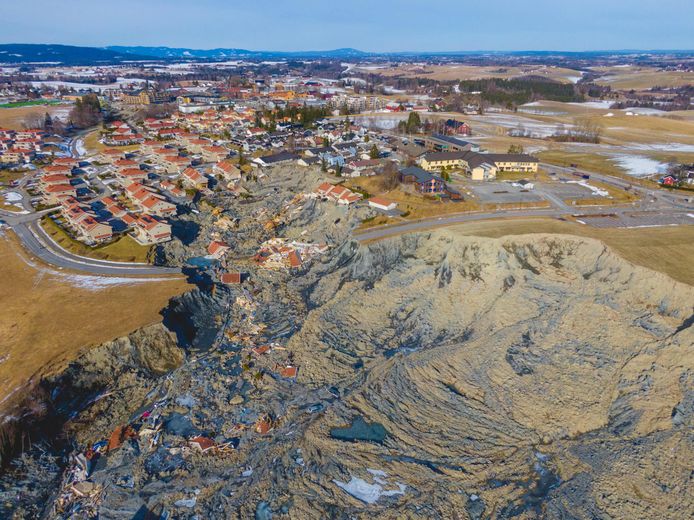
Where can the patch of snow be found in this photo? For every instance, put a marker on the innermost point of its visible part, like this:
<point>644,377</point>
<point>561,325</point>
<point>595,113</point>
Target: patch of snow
<point>97,283</point>
<point>639,166</point>
<point>370,493</point>
<point>79,147</point>
<point>186,400</point>
<point>596,191</point>
<point>646,111</point>
<point>13,196</point>
<point>187,502</point>
<point>602,104</point>
<point>664,147</point>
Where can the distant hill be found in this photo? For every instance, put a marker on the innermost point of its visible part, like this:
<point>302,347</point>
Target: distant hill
<point>221,53</point>
<point>65,54</point>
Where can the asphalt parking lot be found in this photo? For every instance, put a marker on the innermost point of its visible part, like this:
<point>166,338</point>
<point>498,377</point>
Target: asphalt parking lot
<point>501,193</point>
<point>569,190</point>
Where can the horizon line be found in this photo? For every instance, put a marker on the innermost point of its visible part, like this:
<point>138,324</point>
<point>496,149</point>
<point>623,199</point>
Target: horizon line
<point>475,51</point>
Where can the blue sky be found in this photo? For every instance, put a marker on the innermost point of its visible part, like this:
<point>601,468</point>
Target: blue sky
<point>371,25</point>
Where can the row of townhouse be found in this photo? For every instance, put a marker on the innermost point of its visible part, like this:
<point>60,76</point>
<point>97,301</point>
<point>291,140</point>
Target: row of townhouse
<point>54,184</point>
<point>121,134</point>
<point>150,230</point>
<point>20,146</point>
<point>227,171</point>
<point>148,200</point>
<point>84,223</point>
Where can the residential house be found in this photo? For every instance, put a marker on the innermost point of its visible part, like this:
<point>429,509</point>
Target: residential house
<point>424,181</point>
<point>455,127</point>
<point>149,230</point>
<point>127,176</point>
<point>53,194</point>
<point>338,193</point>
<point>194,179</point>
<point>382,204</point>
<point>217,249</point>
<point>227,170</point>
<point>214,153</point>
<point>275,159</point>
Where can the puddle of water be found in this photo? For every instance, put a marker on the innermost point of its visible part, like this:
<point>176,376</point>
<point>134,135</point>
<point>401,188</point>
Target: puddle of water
<point>360,430</point>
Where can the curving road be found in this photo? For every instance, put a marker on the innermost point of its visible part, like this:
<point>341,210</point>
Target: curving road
<point>37,242</point>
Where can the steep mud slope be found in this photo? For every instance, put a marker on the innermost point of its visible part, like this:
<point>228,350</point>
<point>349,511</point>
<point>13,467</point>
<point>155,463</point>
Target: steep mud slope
<point>427,376</point>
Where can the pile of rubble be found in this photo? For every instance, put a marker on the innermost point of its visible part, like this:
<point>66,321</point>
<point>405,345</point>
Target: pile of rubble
<point>279,254</point>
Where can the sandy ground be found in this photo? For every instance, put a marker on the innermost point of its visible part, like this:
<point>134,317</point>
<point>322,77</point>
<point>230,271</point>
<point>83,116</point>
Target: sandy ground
<point>48,316</point>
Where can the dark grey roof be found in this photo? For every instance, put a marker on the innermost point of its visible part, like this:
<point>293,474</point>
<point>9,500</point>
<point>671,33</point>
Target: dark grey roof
<point>445,156</point>
<point>279,157</point>
<point>449,139</point>
<point>419,174</point>
<point>510,157</point>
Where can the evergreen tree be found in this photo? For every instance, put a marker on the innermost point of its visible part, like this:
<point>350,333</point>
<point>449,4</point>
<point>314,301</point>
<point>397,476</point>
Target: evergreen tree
<point>413,123</point>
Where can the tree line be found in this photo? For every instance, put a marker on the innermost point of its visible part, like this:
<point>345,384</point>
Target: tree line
<point>514,92</point>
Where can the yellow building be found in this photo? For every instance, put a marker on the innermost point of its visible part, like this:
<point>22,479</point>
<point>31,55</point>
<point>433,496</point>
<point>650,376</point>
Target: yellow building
<point>479,166</point>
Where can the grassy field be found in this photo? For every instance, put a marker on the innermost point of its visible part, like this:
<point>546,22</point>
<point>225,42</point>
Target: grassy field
<point>36,102</point>
<point>616,195</point>
<point>93,146</point>
<point>49,316</point>
<point>9,207</point>
<point>124,249</point>
<point>14,118</point>
<point>6,176</point>
<point>643,78</point>
<point>588,161</point>
<point>463,72</point>
<point>416,205</point>
<point>665,249</point>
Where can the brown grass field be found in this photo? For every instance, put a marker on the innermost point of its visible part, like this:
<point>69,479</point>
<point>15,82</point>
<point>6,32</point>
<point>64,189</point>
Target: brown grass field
<point>13,118</point>
<point>93,146</point>
<point>463,72</point>
<point>48,316</point>
<point>643,78</point>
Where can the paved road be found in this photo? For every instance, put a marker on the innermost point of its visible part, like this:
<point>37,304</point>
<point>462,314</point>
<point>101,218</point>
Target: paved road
<point>421,225</point>
<point>426,224</point>
<point>39,244</point>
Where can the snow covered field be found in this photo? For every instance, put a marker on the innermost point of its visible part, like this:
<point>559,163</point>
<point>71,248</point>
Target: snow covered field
<point>121,82</point>
<point>639,166</point>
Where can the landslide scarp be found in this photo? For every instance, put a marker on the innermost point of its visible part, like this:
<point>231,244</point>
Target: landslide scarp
<point>439,376</point>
